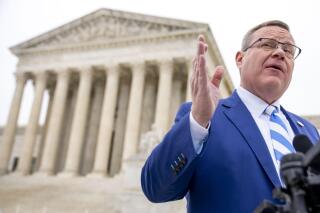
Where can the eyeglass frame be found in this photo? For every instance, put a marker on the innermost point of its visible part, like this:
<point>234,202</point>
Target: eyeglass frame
<point>278,43</point>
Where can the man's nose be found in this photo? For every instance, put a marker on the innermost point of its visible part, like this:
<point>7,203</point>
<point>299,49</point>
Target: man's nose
<point>279,52</point>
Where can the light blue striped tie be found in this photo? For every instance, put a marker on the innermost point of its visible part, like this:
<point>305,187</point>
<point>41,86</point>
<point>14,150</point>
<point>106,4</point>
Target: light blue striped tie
<point>281,142</point>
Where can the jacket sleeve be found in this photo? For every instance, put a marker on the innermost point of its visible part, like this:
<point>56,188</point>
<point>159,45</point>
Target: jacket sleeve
<point>169,168</point>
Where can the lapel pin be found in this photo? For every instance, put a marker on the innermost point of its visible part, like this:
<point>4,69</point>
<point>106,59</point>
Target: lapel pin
<point>300,124</point>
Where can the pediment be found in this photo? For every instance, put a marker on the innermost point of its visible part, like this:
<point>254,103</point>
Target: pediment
<point>107,25</point>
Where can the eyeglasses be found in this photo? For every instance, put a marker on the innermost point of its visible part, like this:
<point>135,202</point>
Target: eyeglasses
<point>291,51</point>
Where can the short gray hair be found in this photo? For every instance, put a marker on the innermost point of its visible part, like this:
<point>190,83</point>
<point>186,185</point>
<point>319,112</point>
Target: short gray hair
<point>247,38</point>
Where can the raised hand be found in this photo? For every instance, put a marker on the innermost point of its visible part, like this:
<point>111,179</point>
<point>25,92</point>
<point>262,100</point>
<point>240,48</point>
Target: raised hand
<point>205,92</point>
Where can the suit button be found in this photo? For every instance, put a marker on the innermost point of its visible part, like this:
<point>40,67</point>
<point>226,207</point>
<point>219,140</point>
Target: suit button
<point>173,169</point>
<point>183,159</point>
<point>177,169</point>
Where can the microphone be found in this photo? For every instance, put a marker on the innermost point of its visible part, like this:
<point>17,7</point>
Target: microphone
<point>294,161</point>
<point>312,153</point>
<point>312,158</point>
<point>302,143</point>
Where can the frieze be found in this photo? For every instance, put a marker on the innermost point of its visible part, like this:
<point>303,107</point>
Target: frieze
<point>105,28</point>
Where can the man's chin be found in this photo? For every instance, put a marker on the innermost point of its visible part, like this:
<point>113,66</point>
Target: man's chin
<point>273,82</point>
<point>273,88</point>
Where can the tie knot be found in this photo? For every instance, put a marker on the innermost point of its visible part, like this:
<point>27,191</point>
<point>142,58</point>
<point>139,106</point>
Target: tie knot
<point>271,110</point>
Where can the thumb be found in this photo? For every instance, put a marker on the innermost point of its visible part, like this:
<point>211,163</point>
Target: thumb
<point>217,76</point>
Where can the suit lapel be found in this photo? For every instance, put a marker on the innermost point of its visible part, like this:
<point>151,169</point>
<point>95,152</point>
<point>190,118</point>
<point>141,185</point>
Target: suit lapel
<point>239,115</point>
<point>296,125</point>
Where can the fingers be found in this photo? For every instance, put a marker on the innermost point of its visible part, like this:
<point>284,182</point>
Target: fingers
<point>194,73</point>
<point>204,94</point>
<point>202,74</point>
<point>199,79</point>
<point>217,76</point>
<point>201,50</point>
<point>202,46</point>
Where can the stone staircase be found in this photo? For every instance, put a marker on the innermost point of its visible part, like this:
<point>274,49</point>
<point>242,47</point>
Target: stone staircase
<point>58,194</point>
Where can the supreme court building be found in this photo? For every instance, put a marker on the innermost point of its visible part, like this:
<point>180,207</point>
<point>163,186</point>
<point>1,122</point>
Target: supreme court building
<point>109,84</point>
<point>113,81</point>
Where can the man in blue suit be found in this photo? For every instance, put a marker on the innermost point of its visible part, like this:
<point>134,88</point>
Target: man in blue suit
<point>220,154</point>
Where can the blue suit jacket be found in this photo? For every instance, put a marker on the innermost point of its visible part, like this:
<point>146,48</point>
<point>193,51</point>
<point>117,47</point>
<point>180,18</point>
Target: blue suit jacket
<point>234,171</point>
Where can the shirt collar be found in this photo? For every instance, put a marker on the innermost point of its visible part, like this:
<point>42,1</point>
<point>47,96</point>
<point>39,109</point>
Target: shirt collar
<point>254,104</point>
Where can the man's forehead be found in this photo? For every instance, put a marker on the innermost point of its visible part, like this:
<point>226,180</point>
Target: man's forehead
<point>273,32</point>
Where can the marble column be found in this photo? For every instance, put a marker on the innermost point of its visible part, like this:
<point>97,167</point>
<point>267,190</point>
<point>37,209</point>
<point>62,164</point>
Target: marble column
<point>106,123</point>
<point>164,97</point>
<point>50,90</point>
<point>134,111</point>
<point>53,135</point>
<point>10,130</point>
<point>149,102</point>
<point>177,94</point>
<point>79,123</point>
<point>66,126</point>
<point>120,125</point>
<point>30,136</point>
<point>189,71</point>
<point>93,126</point>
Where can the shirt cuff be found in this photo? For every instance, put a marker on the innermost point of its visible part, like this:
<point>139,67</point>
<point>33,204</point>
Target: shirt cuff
<point>198,133</point>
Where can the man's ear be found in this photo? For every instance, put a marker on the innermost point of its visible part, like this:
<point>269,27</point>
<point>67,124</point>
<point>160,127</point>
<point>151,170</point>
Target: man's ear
<point>239,58</point>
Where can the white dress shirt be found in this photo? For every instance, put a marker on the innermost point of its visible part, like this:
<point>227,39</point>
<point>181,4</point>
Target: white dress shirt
<point>256,107</point>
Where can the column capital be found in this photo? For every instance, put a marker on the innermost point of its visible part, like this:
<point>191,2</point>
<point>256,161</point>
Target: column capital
<point>21,77</point>
<point>165,61</point>
<point>40,75</point>
<point>85,68</point>
<point>188,61</point>
<point>138,66</point>
<point>137,63</point>
<point>184,59</point>
<point>86,71</point>
<point>164,64</point>
<point>63,72</point>
<point>112,68</point>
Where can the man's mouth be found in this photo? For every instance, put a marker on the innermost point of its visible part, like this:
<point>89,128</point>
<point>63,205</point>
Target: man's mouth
<point>275,66</point>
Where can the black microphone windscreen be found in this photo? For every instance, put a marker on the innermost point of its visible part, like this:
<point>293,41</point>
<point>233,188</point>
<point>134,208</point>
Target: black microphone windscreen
<point>302,143</point>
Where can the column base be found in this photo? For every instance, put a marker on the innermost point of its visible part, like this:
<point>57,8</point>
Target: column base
<point>4,172</point>
<point>67,174</point>
<point>43,174</point>
<point>131,171</point>
<point>19,173</point>
<point>97,174</point>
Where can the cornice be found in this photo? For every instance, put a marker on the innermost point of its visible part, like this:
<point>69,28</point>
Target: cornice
<point>118,42</point>
<point>142,18</point>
